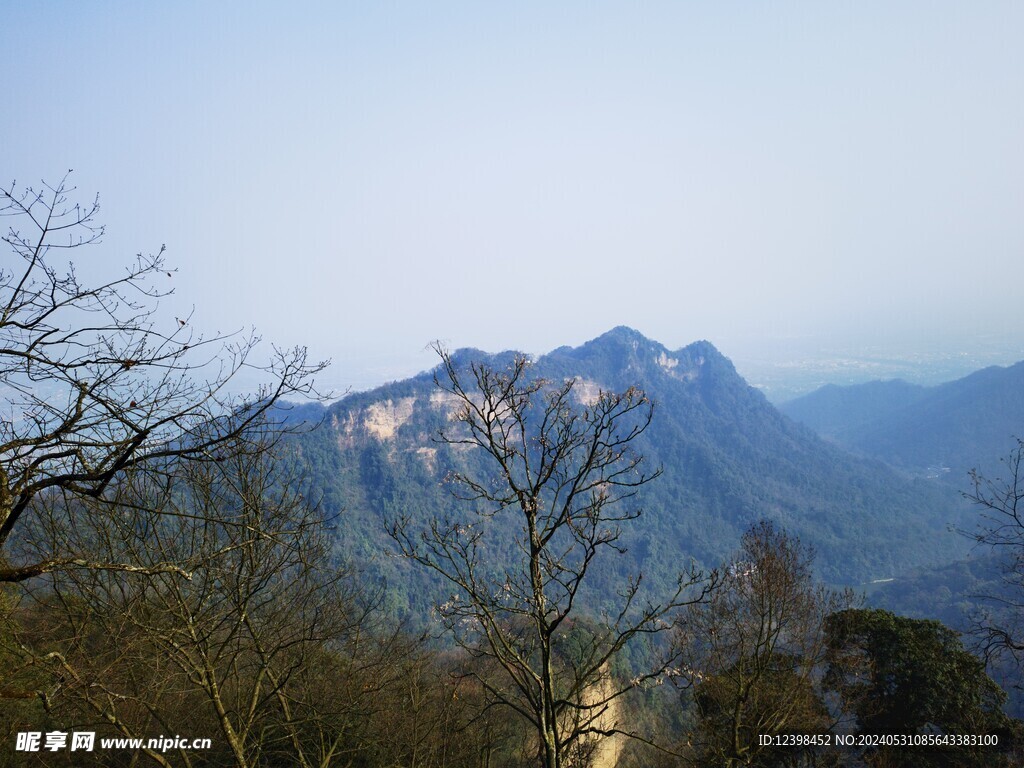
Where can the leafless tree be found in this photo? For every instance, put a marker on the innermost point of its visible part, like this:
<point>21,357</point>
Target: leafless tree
<point>754,650</point>
<point>93,380</point>
<point>237,623</point>
<point>1001,527</point>
<point>552,492</point>
<point>435,717</point>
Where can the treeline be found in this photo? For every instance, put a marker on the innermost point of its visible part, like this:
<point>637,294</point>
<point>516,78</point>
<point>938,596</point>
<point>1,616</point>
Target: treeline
<point>209,603</point>
<point>238,625</point>
<point>782,669</point>
<point>234,624</point>
<point>166,573</point>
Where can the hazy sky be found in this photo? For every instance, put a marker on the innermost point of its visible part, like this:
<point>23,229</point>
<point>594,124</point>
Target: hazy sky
<point>366,177</point>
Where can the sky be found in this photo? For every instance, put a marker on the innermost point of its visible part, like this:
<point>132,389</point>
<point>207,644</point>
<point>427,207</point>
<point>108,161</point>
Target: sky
<point>365,178</point>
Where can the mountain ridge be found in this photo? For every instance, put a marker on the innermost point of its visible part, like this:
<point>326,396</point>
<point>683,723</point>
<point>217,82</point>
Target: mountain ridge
<point>730,458</point>
<point>945,430</point>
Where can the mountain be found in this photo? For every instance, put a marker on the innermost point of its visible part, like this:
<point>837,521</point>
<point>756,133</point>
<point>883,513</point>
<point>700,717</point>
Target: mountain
<point>941,431</point>
<point>729,457</point>
<point>835,411</point>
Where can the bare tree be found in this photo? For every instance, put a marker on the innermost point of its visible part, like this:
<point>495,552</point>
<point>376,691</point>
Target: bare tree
<point>553,493</point>
<point>93,381</point>
<point>754,650</point>
<point>237,622</point>
<point>1001,527</point>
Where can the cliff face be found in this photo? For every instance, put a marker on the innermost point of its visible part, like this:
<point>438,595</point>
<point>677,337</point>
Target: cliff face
<point>604,751</point>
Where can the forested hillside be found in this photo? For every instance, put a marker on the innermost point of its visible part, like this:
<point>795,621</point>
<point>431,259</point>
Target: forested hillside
<point>729,459</point>
<point>940,432</point>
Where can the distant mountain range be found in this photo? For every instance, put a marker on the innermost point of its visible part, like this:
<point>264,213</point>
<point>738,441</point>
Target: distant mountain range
<point>730,459</point>
<point>941,431</point>
<point>938,432</point>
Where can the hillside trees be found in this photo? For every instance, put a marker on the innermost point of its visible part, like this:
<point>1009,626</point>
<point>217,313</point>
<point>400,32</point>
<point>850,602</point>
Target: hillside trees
<point>556,478</point>
<point>754,650</point>
<point>233,604</point>
<point>256,637</point>
<point>94,382</point>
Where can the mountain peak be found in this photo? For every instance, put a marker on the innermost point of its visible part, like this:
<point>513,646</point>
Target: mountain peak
<point>621,347</point>
<point>702,347</point>
<point>730,458</point>
<point>622,334</point>
<point>706,352</point>
<point>624,357</point>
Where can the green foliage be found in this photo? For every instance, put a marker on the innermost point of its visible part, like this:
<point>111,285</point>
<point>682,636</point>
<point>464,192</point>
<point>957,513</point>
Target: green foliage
<point>948,593</point>
<point>969,596</point>
<point>908,676</point>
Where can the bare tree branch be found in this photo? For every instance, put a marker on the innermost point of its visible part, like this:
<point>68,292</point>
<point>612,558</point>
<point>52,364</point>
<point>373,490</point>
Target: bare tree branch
<point>93,381</point>
<point>563,475</point>
<point>1000,500</point>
